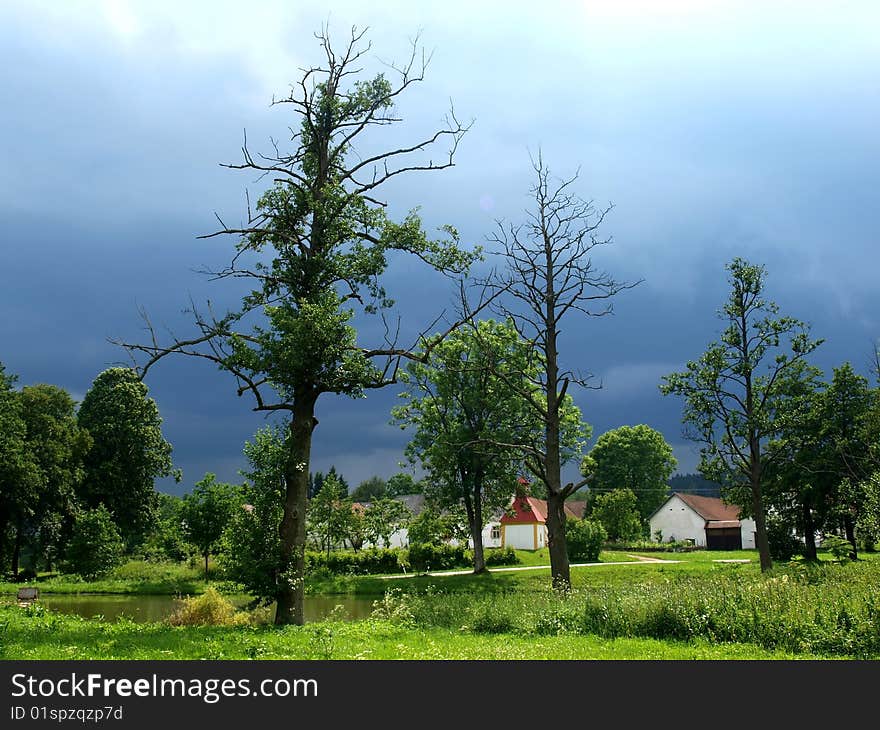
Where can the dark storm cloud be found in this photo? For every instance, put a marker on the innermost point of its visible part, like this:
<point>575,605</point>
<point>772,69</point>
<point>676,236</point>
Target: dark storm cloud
<point>745,130</point>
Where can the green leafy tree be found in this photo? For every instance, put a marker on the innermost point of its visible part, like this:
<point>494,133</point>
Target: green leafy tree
<point>383,518</point>
<point>128,453</point>
<point>738,393</point>
<point>468,410</point>
<point>432,526</point>
<point>800,479</point>
<point>633,457</point>
<point>618,513</point>
<point>315,249</point>
<point>550,277</point>
<point>95,546</point>
<point>826,456</point>
<point>868,522</point>
<point>403,483</point>
<point>251,546</point>
<point>167,540</point>
<point>585,539</point>
<point>206,512</point>
<point>19,473</point>
<point>848,448</point>
<point>355,527</point>
<point>373,488</point>
<point>330,513</point>
<point>57,445</point>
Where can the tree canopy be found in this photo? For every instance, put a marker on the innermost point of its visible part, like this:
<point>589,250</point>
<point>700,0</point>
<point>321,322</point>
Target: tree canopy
<point>128,452</point>
<point>470,414</point>
<point>632,457</point>
<point>738,394</point>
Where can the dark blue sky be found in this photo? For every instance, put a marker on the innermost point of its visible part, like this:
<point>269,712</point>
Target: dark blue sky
<point>743,129</point>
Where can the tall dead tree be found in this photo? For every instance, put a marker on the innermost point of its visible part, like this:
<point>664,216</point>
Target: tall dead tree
<point>315,249</point>
<point>549,275</point>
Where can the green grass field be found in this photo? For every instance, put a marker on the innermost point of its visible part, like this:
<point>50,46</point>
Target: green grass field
<point>695,607</point>
<point>52,636</point>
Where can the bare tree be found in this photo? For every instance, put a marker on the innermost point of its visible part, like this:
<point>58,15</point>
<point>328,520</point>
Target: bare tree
<point>318,242</point>
<point>549,275</point>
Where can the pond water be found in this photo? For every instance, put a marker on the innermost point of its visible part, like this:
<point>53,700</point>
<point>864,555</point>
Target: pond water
<point>156,608</point>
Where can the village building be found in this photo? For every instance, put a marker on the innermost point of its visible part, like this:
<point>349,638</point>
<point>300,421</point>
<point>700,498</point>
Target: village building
<point>704,521</point>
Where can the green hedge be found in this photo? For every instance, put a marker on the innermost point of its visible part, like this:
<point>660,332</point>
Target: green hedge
<point>419,558</point>
<point>438,557</point>
<point>363,562</point>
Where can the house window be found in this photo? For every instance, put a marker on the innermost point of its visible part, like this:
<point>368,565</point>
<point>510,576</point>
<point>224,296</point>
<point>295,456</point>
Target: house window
<point>495,534</point>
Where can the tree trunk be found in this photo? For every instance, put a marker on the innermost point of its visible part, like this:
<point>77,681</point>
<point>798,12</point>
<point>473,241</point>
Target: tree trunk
<point>4,522</point>
<point>849,526</point>
<point>16,552</point>
<point>292,532</point>
<point>809,533</point>
<point>560,571</point>
<point>475,519</point>
<point>559,564</point>
<point>206,565</point>
<point>763,544</point>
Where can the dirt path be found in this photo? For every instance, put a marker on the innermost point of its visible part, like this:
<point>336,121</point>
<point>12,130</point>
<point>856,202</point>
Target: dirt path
<point>638,560</point>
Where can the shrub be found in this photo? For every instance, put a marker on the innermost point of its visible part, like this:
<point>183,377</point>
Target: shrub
<point>584,539</point>
<point>424,557</point>
<point>364,562</point>
<point>488,618</point>
<point>783,545</point>
<point>208,609</point>
<point>95,546</point>
<point>841,549</point>
<point>618,512</point>
<point>502,556</point>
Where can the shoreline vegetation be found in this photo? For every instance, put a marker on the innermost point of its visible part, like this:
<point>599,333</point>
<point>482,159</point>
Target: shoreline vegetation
<point>696,608</point>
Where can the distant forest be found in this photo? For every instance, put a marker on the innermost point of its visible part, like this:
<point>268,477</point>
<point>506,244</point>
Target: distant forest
<point>694,484</point>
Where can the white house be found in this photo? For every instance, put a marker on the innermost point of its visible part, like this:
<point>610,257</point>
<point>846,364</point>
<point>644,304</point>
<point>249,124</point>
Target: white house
<point>707,521</point>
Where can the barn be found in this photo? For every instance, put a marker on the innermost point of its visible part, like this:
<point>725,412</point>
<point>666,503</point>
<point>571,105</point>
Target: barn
<point>706,521</point>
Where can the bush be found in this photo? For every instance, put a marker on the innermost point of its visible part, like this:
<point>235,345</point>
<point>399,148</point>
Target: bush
<point>208,609</point>
<point>584,539</point>
<point>95,546</point>
<point>783,545</point>
<point>501,556</point>
<point>364,562</point>
<point>838,547</point>
<point>425,557</point>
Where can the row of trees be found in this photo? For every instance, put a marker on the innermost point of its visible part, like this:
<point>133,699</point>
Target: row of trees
<point>801,455</point>
<point>316,248</point>
<point>59,462</point>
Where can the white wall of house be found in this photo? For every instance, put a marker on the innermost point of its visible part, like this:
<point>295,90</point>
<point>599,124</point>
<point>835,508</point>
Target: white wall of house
<point>522,537</point>
<point>747,530</point>
<point>677,521</point>
<point>491,536</point>
<point>398,538</point>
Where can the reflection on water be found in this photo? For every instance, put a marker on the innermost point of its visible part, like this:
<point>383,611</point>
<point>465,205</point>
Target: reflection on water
<point>156,608</point>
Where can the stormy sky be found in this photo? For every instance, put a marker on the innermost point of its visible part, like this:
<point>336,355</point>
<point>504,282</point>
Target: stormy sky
<point>716,129</point>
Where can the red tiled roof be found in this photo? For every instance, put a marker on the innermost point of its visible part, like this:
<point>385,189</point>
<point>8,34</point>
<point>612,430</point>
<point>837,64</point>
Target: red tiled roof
<point>710,508</point>
<point>577,507</point>
<point>528,510</point>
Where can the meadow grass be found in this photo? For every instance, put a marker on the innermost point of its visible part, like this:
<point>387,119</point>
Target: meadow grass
<point>824,609</point>
<point>43,635</point>
<point>695,608</point>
